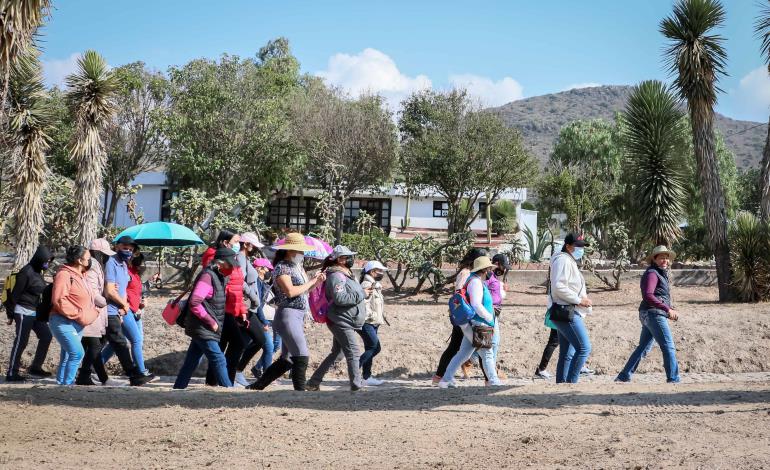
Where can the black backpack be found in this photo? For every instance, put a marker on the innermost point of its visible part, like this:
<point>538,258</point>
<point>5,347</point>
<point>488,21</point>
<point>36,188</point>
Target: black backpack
<point>46,303</point>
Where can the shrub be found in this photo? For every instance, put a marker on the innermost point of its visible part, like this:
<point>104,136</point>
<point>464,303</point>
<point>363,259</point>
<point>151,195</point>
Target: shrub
<point>750,256</point>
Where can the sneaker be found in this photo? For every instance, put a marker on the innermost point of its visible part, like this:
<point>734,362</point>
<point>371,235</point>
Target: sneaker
<point>239,386</point>
<point>86,381</point>
<point>466,369</point>
<point>496,383</point>
<point>443,384</point>
<point>39,372</point>
<point>17,378</point>
<point>240,379</point>
<point>140,380</point>
<point>621,381</point>
<point>436,379</point>
<point>113,383</point>
<point>153,377</point>
<point>372,382</point>
<point>586,371</point>
<point>543,374</point>
<point>256,372</point>
<point>312,388</point>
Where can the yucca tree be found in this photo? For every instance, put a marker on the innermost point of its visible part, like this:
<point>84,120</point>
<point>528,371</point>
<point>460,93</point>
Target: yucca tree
<point>763,32</point>
<point>652,139</point>
<point>696,58</point>
<point>750,249</point>
<point>90,93</point>
<point>19,20</point>
<point>29,123</point>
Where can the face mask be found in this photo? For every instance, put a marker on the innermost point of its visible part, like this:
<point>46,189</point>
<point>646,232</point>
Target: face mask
<point>236,247</point>
<point>125,255</point>
<point>226,271</point>
<point>488,275</point>
<point>378,277</point>
<point>267,277</point>
<point>298,259</point>
<point>578,253</point>
<point>349,263</point>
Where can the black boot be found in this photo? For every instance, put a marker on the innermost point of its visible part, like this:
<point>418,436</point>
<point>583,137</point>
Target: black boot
<point>276,369</point>
<point>298,371</point>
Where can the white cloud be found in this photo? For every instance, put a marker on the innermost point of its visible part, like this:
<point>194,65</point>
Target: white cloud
<point>56,70</point>
<point>753,94</point>
<point>489,92</point>
<point>575,86</point>
<point>372,71</point>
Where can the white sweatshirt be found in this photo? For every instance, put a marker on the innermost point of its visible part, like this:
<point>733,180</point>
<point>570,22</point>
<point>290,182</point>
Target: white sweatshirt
<point>568,286</point>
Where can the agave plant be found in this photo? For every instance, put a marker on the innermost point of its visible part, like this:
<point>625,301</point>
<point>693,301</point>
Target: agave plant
<point>762,30</point>
<point>652,134</point>
<point>89,94</point>
<point>750,251</point>
<point>537,245</point>
<point>29,123</point>
<point>696,59</point>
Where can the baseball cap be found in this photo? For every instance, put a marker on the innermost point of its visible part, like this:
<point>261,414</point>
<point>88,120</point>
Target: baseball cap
<point>226,254</point>
<point>374,265</point>
<point>341,250</point>
<point>571,239</point>
<point>501,259</point>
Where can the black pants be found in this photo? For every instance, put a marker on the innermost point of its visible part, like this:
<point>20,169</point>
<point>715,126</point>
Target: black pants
<point>255,336</point>
<point>24,325</point>
<point>120,345</point>
<point>235,337</point>
<point>451,349</point>
<point>553,343</point>
<point>92,358</point>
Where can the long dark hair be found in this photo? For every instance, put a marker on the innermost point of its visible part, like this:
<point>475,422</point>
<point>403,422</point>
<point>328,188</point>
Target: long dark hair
<point>280,255</point>
<point>328,263</point>
<point>74,253</point>
<point>137,260</point>
<point>225,235</point>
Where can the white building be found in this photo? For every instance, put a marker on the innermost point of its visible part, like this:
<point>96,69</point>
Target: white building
<point>427,210</point>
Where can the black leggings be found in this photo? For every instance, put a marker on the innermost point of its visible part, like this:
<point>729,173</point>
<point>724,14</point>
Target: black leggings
<point>451,349</point>
<point>255,335</point>
<point>92,358</point>
<point>235,338</point>
<point>553,343</point>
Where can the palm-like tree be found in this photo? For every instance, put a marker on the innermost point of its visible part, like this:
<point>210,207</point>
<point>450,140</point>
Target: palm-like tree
<point>29,123</point>
<point>652,137</point>
<point>696,59</point>
<point>763,31</point>
<point>18,21</point>
<point>90,93</point>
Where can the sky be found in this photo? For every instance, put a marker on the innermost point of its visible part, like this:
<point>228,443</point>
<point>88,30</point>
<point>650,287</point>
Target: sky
<point>500,51</point>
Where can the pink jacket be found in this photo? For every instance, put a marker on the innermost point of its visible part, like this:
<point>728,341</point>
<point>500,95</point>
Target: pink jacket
<point>95,279</point>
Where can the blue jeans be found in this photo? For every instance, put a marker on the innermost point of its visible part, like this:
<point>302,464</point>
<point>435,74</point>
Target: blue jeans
<point>371,348</point>
<point>655,329</point>
<point>134,331</point>
<point>272,340</point>
<point>68,333</point>
<point>574,348</point>
<point>465,353</point>
<point>198,348</point>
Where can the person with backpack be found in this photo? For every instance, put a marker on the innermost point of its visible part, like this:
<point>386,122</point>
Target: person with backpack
<point>455,340</point>
<point>371,276</point>
<point>290,286</point>
<point>22,310</point>
<point>205,319</point>
<point>479,299</point>
<point>345,317</point>
<point>72,309</point>
<point>252,330</point>
<point>93,333</point>
<point>568,304</point>
<point>655,311</point>
<point>262,289</point>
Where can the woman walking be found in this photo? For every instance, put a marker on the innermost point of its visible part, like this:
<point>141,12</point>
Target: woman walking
<point>291,286</point>
<point>205,318</point>
<point>345,317</point>
<point>93,333</point>
<point>26,296</point>
<point>252,331</point>
<point>568,290</point>
<point>655,310</point>
<point>262,289</point>
<point>72,309</point>
<point>371,276</point>
<point>480,300</point>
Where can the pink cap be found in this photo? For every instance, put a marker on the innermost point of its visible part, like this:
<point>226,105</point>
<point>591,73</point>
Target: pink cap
<point>263,263</point>
<point>101,244</point>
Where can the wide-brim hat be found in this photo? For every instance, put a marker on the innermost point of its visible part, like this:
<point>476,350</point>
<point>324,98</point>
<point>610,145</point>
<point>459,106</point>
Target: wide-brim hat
<point>101,245</point>
<point>659,250</point>
<point>252,238</point>
<point>482,262</point>
<point>294,242</point>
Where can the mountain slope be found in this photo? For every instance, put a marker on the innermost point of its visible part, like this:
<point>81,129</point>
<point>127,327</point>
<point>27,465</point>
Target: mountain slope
<point>541,117</point>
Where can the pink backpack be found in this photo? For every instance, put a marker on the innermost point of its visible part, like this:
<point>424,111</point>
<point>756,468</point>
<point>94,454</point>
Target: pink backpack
<point>319,304</point>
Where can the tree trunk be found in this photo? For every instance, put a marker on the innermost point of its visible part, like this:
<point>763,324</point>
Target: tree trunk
<point>764,180</point>
<point>405,225</point>
<point>712,194</point>
<point>111,209</point>
<point>489,222</point>
<point>338,219</point>
<point>88,188</point>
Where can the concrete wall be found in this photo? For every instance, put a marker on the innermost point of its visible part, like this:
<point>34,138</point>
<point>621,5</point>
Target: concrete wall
<point>421,214</point>
<point>148,199</point>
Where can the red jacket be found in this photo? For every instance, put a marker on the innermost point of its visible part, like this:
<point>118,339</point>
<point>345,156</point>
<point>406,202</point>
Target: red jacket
<point>234,294</point>
<point>134,289</point>
<point>208,256</point>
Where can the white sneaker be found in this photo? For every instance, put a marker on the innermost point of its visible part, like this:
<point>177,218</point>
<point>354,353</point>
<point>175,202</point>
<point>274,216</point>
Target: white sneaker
<point>241,379</point>
<point>586,371</point>
<point>496,383</point>
<point>443,384</point>
<point>114,383</point>
<point>372,382</point>
<point>238,386</point>
<point>543,374</point>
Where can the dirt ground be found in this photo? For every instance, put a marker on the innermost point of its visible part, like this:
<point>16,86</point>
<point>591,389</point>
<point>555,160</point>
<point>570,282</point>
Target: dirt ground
<point>718,417</point>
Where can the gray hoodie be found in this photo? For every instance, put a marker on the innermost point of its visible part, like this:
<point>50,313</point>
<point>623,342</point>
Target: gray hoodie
<point>347,301</point>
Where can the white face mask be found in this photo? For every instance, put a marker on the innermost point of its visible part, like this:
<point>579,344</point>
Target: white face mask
<point>298,259</point>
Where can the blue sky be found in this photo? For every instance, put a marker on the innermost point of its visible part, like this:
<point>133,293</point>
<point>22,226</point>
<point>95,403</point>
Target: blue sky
<point>499,50</point>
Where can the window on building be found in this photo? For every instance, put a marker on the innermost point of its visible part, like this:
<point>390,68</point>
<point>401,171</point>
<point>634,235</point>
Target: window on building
<point>379,208</point>
<point>293,213</point>
<point>166,195</point>
<point>482,210</point>
<point>440,209</point>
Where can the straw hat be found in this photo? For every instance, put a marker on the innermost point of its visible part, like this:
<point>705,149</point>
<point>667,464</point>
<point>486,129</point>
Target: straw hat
<point>294,242</point>
<point>482,262</point>
<point>659,250</point>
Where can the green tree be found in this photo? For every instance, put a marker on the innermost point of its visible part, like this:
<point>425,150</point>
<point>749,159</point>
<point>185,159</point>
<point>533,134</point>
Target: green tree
<point>61,134</point>
<point>228,125</point>
<point>696,58</point>
<point>133,137</point>
<point>749,190</point>
<point>653,145</point>
<point>762,30</point>
<point>90,93</point>
<point>464,154</point>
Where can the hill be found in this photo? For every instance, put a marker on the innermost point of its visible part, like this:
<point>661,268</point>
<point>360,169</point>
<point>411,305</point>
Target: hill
<point>541,117</point>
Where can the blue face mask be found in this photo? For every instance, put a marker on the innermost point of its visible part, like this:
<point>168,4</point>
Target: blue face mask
<point>125,255</point>
<point>236,247</point>
<point>578,253</point>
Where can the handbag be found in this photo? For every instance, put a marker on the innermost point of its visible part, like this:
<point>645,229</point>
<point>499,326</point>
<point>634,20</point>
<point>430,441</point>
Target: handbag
<point>562,313</point>
<point>482,336</point>
<point>173,309</point>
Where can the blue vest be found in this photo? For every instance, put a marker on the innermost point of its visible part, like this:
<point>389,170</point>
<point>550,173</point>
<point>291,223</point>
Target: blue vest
<point>486,300</point>
<point>662,290</point>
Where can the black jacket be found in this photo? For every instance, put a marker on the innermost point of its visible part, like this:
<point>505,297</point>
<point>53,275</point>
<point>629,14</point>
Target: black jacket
<point>215,306</point>
<point>29,281</point>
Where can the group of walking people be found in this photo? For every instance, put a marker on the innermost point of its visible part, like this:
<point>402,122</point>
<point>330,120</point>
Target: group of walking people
<point>242,304</point>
